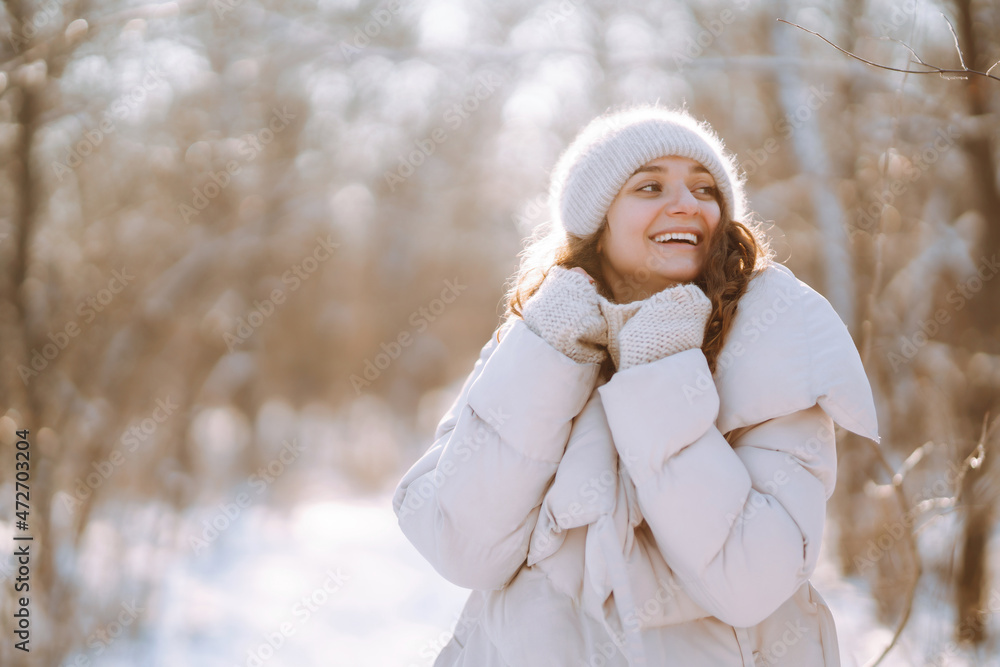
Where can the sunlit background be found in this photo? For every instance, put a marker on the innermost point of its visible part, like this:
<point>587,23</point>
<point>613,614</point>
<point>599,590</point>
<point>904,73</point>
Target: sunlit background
<point>250,251</point>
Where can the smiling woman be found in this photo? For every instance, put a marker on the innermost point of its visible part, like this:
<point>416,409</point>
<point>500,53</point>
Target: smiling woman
<point>670,175</point>
<point>637,468</point>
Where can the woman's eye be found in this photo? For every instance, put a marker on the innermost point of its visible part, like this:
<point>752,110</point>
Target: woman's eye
<point>656,187</point>
<point>710,190</point>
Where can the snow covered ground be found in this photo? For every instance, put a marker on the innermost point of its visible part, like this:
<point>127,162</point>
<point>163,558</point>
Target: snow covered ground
<point>336,583</point>
<point>330,583</point>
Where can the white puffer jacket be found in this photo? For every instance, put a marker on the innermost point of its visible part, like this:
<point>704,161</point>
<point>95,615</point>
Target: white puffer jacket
<point>665,517</point>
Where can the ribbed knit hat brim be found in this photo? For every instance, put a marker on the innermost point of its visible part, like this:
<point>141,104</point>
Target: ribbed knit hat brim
<point>602,157</point>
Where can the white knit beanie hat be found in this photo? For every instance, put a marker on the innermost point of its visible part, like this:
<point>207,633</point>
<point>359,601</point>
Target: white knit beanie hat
<point>593,169</point>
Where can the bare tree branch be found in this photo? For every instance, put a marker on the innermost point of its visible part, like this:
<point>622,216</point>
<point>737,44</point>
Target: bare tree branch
<point>911,542</point>
<point>972,461</point>
<point>954,36</point>
<point>906,46</point>
<point>934,69</point>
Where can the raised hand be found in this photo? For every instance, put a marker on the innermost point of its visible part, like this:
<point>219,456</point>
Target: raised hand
<point>565,311</point>
<point>670,321</point>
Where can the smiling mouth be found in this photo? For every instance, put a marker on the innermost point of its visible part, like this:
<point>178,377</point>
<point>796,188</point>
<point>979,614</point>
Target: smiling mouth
<point>676,237</point>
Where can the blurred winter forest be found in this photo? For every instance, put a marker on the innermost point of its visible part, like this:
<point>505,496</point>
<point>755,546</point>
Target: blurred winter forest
<point>251,249</point>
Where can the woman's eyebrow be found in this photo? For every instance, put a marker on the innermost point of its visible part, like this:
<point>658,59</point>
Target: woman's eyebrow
<point>654,168</point>
<point>645,168</point>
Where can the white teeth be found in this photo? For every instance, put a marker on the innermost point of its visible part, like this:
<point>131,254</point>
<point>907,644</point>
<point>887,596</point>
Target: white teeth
<point>676,236</point>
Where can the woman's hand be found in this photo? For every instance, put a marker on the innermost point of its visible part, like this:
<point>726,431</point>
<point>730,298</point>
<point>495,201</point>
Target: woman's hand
<point>614,314</point>
<point>668,322</point>
<point>565,311</point>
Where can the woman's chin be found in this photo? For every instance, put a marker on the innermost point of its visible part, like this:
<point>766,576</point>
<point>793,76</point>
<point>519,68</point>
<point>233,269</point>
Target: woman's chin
<point>677,273</point>
<point>646,279</point>
<point>678,267</point>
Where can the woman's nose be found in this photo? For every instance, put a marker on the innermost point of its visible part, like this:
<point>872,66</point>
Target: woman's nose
<point>681,200</point>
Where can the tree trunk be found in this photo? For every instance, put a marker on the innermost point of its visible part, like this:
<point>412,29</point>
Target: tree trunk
<point>979,497</point>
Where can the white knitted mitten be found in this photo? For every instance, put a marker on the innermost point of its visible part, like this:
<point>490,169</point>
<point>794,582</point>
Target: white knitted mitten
<point>668,322</point>
<point>565,312</point>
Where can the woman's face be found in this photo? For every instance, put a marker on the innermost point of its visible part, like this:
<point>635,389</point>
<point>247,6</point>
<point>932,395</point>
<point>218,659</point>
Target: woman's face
<point>659,228</point>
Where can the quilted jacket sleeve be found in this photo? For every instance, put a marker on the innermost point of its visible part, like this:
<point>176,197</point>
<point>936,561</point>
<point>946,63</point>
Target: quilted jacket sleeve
<point>470,502</point>
<point>740,524</point>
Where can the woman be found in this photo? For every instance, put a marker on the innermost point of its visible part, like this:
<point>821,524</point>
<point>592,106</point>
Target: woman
<point>637,468</point>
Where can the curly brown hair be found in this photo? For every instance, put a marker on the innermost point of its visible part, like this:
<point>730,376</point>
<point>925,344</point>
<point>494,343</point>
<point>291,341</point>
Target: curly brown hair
<point>737,250</point>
